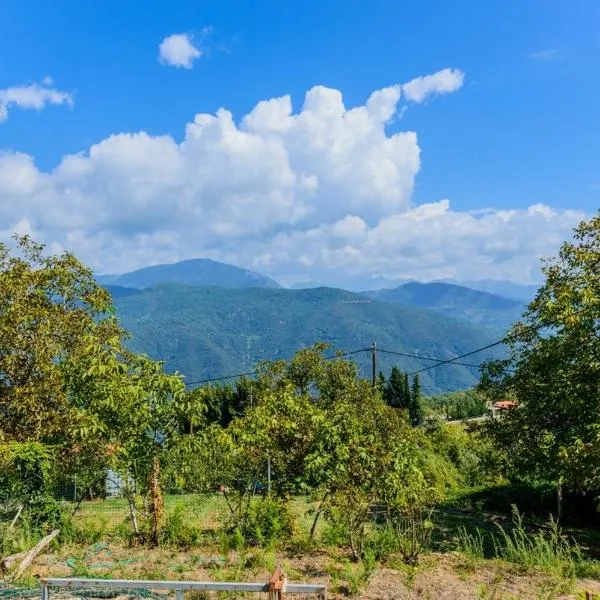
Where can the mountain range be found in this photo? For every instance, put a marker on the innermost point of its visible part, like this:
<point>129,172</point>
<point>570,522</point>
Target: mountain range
<point>207,319</point>
<point>205,332</point>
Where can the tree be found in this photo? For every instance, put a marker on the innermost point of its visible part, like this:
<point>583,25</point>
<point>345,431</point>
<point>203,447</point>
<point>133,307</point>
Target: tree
<point>68,382</point>
<point>52,314</point>
<point>415,408</point>
<point>394,392</point>
<point>137,410</point>
<point>553,371</point>
<point>381,383</point>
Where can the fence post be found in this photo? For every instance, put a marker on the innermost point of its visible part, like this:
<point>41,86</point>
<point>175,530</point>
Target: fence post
<point>277,584</point>
<point>178,594</point>
<point>45,592</point>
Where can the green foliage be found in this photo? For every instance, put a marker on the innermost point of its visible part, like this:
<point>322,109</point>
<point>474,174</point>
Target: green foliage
<point>264,520</point>
<point>554,372</point>
<point>180,529</point>
<point>19,538</point>
<point>412,526</point>
<point>415,408</point>
<point>52,314</point>
<point>394,391</point>
<point>27,472</point>
<point>458,405</point>
<point>468,456</point>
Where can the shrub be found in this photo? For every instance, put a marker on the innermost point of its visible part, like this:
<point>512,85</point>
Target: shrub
<point>179,531</point>
<point>264,521</point>
<point>412,527</point>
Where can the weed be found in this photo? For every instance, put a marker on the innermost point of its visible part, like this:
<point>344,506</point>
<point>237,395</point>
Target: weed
<point>549,550</point>
<point>471,544</point>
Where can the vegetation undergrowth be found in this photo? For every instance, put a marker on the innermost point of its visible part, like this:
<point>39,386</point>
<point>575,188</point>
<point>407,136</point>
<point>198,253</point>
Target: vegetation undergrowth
<point>547,548</point>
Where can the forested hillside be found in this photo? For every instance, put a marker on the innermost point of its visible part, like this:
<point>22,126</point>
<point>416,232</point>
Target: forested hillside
<point>458,301</point>
<point>206,332</point>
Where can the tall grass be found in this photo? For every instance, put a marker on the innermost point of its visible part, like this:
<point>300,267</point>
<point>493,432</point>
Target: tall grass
<point>548,549</point>
<point>471,544</point>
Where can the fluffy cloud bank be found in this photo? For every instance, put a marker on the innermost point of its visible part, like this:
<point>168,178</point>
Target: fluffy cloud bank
<point>31,97</point>
<point>320,193</point>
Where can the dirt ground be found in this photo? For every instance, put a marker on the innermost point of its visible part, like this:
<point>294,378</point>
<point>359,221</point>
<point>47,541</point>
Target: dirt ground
<point>447,576</point>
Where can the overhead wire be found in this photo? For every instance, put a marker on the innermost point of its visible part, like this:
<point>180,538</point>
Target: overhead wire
<point>439,362</point>
<point>252,373</point>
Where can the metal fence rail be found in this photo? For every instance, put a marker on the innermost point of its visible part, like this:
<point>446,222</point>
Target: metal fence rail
<point>84,588</point>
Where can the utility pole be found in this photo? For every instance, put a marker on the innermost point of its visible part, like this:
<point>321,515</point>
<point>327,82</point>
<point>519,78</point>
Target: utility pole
<point>374,363</point>
<point>269,475</point>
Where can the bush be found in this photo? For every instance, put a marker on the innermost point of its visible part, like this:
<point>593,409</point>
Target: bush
<point>412,527</point>
<point>334,533</point>
<point>381,543</point>
<point>179,531</point>
<point>77,531</point>
<point>263,520</point>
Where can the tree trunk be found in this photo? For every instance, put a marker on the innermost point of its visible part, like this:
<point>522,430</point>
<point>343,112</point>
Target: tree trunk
<point>318,514</point>
<point>157,503</point>
<point>559,500</point>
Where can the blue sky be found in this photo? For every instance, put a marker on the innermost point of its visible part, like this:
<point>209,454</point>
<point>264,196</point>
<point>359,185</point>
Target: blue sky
<point>521,129</point>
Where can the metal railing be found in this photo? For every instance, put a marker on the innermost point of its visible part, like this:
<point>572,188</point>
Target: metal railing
<point>277,587</point>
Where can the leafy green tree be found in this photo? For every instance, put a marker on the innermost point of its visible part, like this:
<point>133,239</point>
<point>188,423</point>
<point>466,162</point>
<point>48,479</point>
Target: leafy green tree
<point>226,402</point>
<point>68,382</point>
<point>381,383</point>
<point>137,409</point>
<point>553,371</point>
<point>52,315</point>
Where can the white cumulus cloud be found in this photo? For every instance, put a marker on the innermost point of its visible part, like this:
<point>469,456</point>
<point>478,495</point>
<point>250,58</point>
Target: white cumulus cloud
<point>32,97</point>
<point>442,82</point>
<point>178,50</point>
<point>323,192</point>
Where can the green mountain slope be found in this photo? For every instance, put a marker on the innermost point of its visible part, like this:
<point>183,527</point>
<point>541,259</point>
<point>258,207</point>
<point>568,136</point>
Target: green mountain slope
<point>206,332</point>
<point>198,271</point>
<point>457,301</point>
<point>507,289</point>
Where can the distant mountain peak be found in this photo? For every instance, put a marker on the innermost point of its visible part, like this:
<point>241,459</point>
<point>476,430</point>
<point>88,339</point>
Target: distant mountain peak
<point>193,271</point>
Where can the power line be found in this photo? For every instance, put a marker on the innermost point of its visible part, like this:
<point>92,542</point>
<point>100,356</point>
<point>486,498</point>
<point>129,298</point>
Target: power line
<point>252,373</point>
<point>435,359</point>
<point>507,338</point>
<point>440,362</point>
<point>453,360</point>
